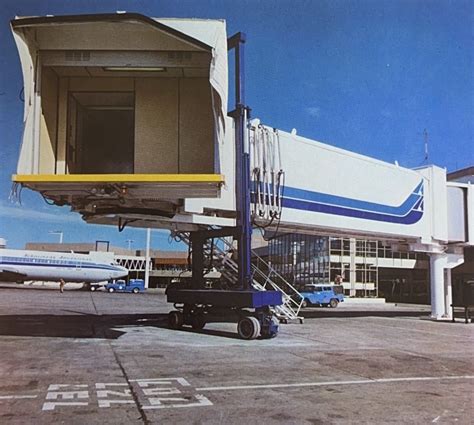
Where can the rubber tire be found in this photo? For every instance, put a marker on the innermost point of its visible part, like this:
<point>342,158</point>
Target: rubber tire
<point>249,327</point>
<point>111,290</point>
<point>305,303</point>
<point>135,290</point>
<point>92,288</point>
<point>175,319</point>
<point>198,322</point>
<point>333,303</point>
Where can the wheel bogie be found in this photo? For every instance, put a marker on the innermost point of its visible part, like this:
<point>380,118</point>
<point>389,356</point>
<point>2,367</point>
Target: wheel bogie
<point>198,321</point>
<point>270,328</point>
<point>249,327</point>
<point>175,319</point>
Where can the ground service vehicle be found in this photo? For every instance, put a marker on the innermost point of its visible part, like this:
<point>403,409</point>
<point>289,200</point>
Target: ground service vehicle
<point>322,295</point>
<point>132,286</point>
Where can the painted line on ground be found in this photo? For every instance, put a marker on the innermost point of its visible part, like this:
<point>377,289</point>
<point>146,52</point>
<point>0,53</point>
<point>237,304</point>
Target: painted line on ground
<point>10,397</point>
<point>333,383</point>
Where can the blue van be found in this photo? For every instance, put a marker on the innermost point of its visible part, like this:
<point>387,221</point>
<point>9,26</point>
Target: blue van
<point>322,295</point>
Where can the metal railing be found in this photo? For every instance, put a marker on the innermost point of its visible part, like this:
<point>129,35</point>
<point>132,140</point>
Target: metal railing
<point>261,280</point>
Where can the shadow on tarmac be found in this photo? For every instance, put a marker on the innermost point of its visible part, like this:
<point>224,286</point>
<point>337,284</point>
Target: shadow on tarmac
<point>329,313</point>
<point>89,325</point>
<point>76,326</point>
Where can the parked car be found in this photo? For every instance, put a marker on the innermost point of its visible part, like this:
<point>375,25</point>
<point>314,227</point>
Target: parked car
<point>132,286</point>
<point>322,295</point>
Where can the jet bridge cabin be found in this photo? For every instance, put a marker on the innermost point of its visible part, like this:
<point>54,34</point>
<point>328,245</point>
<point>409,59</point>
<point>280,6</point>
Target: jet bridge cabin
<point>122,111</point>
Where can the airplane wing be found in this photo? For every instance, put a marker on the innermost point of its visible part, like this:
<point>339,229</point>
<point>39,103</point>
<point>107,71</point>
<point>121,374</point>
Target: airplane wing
<point>11,274</point>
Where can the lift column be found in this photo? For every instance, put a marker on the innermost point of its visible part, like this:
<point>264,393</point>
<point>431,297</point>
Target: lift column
<point>242,181</point>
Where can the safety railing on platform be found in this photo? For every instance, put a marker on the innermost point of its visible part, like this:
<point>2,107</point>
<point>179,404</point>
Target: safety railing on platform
<point>222,255</point>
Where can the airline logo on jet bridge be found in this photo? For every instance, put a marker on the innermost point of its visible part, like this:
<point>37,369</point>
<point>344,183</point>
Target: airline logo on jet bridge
<point>408,212</point>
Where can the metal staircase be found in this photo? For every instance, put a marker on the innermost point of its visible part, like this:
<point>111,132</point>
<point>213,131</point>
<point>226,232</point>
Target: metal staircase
<point>264,277</point>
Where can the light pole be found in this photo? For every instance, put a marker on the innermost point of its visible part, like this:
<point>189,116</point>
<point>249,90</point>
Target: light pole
<point>58,232</point>
<point>129,242</point>
<point>147,257</point>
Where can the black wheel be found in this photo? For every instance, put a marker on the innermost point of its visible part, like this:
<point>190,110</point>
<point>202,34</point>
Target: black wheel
<point>175,319</point>
<point>92,288</point>
<point>333,303</point>
<point>305,303</point>
<point>198,321</point>
<point>248,327</point>
<point>135,290</point>
<point>111,290</point>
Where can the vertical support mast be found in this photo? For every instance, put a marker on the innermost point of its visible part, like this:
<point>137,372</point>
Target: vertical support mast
<point>242,175</point>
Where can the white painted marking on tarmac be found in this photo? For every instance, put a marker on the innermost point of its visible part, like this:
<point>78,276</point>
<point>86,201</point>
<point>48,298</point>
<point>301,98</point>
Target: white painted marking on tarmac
<point>12,397</point>
<point>333,383</point>
<point>157,403</point>
<point>162,393</point>
<point>57,387</point>
<point>159,381</point>
<point>52,406</point>
<point>108,398</point>
<point>57,392</point>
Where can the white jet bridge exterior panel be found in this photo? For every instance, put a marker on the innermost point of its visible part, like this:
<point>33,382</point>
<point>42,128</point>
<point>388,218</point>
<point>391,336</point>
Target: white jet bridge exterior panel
<point>332,190</point>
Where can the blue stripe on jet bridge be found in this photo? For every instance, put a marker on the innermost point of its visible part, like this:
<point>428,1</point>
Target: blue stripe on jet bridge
<point>411,218</point>
<point>408,212</point>
<point>338,201</point>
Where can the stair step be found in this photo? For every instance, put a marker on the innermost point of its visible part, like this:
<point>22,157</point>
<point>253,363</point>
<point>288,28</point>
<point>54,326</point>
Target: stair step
<point>229,269</point>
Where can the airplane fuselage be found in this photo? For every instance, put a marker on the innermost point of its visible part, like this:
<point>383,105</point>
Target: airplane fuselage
<point>21,265</point>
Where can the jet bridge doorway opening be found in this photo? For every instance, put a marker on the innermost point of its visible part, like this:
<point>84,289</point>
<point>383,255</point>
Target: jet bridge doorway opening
<point>100,137</point>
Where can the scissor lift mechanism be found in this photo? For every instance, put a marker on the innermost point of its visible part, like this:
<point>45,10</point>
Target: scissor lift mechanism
<point>197,305</point>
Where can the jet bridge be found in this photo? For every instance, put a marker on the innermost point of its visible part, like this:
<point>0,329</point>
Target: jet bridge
<point>126,121</point>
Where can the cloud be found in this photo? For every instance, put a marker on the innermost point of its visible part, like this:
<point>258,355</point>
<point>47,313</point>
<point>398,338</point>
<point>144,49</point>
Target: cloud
<point>313,111</point>
<point>22,213</point>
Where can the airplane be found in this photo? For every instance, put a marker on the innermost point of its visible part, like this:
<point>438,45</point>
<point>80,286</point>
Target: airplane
<point>22,265</point>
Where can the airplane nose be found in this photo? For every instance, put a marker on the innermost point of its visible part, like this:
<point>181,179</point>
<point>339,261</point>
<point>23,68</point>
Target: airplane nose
<point>121,271</point>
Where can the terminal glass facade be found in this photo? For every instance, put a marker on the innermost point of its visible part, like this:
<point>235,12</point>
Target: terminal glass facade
<point>300,258</point>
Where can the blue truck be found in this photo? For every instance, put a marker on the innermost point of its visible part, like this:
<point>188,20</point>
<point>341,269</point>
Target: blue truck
<point>322,295</point>
<point>134,286</point>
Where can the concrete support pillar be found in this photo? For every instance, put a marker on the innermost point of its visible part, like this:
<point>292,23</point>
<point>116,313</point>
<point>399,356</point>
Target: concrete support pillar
<point>448,294</point>
<point>437,265</point>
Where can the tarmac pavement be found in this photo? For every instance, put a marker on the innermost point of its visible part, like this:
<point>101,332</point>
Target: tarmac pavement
<point>87,358</point>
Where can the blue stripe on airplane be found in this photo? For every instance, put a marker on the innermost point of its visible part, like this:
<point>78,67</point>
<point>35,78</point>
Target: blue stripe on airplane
<point>70,265</point>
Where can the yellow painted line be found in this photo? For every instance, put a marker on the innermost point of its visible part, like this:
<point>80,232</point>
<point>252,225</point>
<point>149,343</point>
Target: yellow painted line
<point>118,178</point>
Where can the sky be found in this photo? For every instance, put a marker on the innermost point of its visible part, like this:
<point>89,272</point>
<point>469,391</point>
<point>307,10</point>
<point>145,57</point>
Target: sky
<point>364,75</point>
